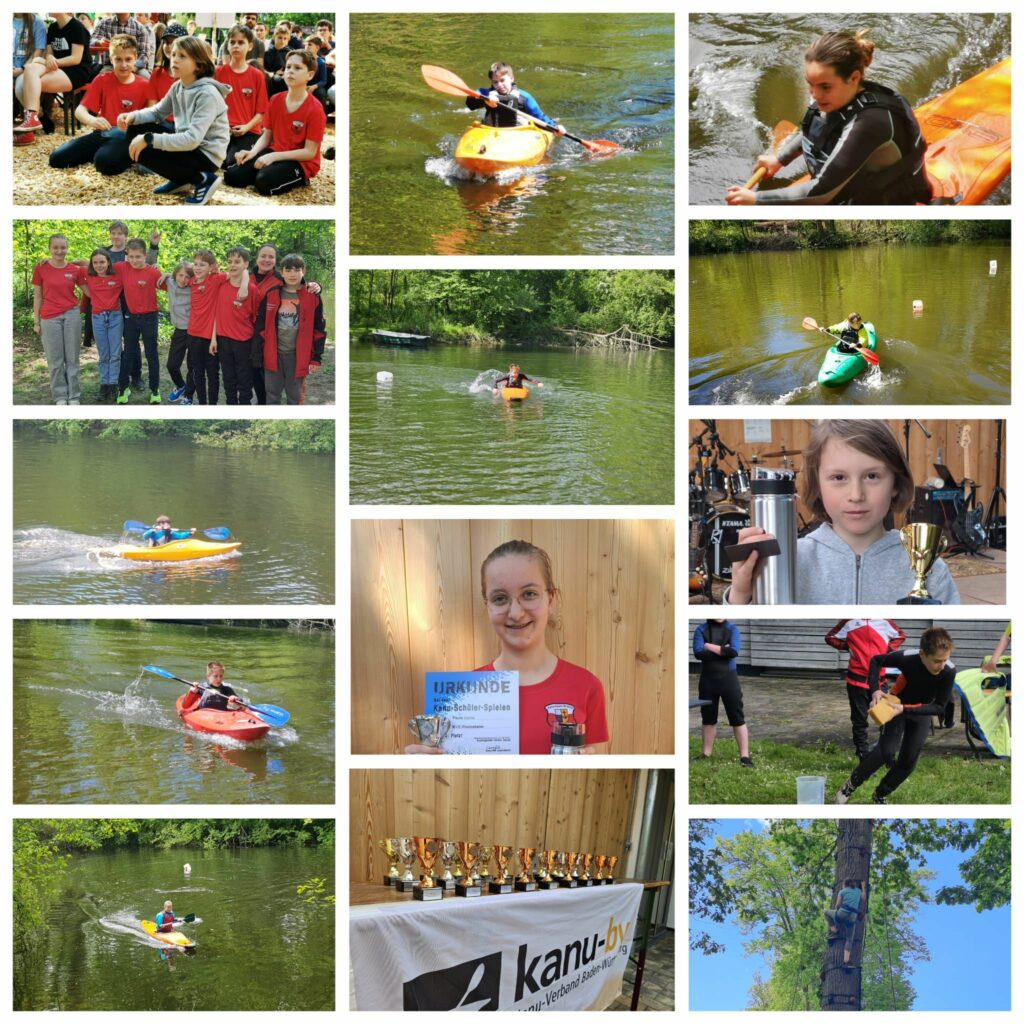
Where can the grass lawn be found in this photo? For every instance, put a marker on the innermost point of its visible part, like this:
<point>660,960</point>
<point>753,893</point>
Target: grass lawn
<point>946,779</point>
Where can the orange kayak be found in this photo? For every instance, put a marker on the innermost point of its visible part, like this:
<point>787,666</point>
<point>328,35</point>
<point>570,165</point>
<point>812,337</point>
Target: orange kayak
<point>514,394</point>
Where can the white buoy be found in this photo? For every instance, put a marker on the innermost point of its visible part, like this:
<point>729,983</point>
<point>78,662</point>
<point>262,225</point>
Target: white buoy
<point>188,869</point>
<point>918,306</point>
<point>992,267</point>
<point>385,376</point>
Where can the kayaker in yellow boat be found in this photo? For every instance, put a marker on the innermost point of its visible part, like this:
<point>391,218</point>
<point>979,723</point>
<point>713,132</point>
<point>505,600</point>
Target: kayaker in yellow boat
<point>161,533</point>
<point>504,93</point>
<point>860,140</point>
<point>215,696</point>
<point>514,379</point>
<point>165,920</point>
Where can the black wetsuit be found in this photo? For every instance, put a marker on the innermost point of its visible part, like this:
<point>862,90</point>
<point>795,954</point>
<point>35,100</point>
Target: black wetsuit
<point>869,152</point>
<point>509,381</point>
<point>216,698</point>
<point>719,680</point>
<point>903,737</point>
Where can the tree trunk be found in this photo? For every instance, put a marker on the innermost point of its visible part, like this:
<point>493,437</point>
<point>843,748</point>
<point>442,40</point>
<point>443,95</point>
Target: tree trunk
<point>840,988</point>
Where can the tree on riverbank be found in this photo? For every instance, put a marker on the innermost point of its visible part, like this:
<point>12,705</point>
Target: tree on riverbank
<point>708,237</point>
<point>489,306</point>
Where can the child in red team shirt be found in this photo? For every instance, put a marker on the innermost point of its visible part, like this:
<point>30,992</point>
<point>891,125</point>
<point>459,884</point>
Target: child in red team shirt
<point>247,101</point>
<point>57,320</point>
<point>139,281</point>
<point>520,594</point>
<point>288,152</point>
<point>234,321</point>
<point>109,95</point>
<point>105,288</point>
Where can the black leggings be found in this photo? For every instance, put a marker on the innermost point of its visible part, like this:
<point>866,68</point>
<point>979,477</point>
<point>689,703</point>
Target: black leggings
<point>860,700</point>
<point>725,689</point>
<point>899,747</point>
<point>269,181</point>
<point>203,371</point>
<point>237,143</point>
<point>183,166</point>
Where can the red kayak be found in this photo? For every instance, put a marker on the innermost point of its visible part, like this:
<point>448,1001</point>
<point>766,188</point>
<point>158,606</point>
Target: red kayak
<point>240,725</point>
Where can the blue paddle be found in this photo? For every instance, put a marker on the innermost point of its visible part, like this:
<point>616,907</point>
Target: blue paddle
<point>214,532</point>
<point>270,713</point>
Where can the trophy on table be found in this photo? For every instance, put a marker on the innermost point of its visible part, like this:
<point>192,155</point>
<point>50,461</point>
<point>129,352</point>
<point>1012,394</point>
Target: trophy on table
<point>525,882</point>
<point>923,543</point>
<point>390,848</point>
<point>430,730</point>
<point>571,879</point>
<point>407,855</point>
<point>612,861</point>
<point>585,878</point>
<point>448,852</point>
<point>486,853</point>
<point>600,860</point>
<point>427,850</point>
<point>501,883</point>
<point>469,854</point>
<point>547,880</point>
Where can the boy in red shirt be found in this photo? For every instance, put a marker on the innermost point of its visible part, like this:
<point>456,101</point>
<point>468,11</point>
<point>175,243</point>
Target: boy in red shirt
<point>139,280</point>
<point>106,146</point>
<point>247,101</point>
<point>234,320</point>
<point>287,154</point>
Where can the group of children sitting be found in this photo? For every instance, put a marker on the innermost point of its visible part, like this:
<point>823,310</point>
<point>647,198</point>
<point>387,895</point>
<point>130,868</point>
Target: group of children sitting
<point>192,117</point>
<point>260,328</point>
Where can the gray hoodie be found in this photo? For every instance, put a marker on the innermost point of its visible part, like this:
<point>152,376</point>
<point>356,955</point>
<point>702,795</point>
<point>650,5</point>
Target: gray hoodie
<point>828,572</point>
<point>200,119</point>
<point>179,303</point>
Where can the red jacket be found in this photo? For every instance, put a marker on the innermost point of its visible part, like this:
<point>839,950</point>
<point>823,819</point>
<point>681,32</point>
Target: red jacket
<point>864,638</point>
<point>309,343</point>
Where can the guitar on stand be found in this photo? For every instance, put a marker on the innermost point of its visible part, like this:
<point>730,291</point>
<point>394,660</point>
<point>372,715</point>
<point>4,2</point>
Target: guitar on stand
<point>968,528</point>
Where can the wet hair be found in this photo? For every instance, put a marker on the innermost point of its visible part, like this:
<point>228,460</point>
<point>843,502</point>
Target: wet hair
<point>844,52</point>
<point>870,437</point>
<point>198,51</point>
<point>123,42</point>
<point>293,261</point>
<point>135,243</point>
<point>243,30</point>
<point>118,225</point>
<point>215,664</point>
<point>238,250</point>
<point>499,67</point>
<point>936,639</point>
<point>93,255</point>
<point>308,60</point>
<point>519,547</point>
<point>183,265</point>
<point>206,256</point>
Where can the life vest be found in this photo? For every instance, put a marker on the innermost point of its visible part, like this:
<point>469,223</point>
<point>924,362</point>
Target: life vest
<point>820,135</point>
<point>167,921</point>
<point>502,117</point>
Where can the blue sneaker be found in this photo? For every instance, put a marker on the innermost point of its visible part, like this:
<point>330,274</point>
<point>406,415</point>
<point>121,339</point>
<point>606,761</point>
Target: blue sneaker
<point>170,187</point>
<point>176,393</point>
<point>185,401</point>
<point>204,189</point>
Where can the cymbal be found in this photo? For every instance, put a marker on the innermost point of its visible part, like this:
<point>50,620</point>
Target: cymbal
<point>778,455</point>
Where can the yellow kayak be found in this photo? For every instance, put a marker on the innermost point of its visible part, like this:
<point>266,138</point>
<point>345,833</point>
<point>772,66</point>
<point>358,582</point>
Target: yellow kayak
<point>514,394</point>
<point>171,938</point>
<point>485,150</point>
<point>173,551</point>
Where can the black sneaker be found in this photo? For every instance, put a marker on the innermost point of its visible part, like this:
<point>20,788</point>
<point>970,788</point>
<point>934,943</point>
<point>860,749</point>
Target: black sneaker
<point>876,799</point>
<point>845,792</point>
<point>746,762</point>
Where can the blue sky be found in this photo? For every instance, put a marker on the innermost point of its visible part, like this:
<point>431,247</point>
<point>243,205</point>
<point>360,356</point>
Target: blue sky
<point>962,943</point>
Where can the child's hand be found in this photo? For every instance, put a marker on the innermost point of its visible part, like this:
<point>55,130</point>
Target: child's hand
<point>124,120</point>
<point>138,144</point>
<point>51,63</point>
<point>154,238</point>
<point>539,384</point>
<point>237,129</point>
<point>492,103</point>
<point>101,124</point>
<point>213,348</point>
<point>37,327</point>
<point>313,367</point>
<point>192,532</point>
<point>264,160</point>
<point>737,196</point>
<point>771,164</point>
<point>312,287</point>
<point>559,130</point>
<point>243,156</point>
<point>743,573</point>
<point>422,748</point>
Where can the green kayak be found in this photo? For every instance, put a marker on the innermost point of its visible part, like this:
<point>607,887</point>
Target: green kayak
<point>841,367</point>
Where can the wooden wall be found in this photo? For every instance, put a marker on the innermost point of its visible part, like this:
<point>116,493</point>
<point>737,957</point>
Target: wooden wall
<point>417,608</point>
<point>795,434</point>
<point>550,808</point>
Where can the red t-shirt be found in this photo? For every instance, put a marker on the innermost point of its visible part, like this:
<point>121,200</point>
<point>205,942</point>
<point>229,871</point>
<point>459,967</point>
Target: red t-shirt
<point>139,286</point>
<point>578,691</point>
<point>160,82</point>
<point>108,97</point>
<point>248,96</point>
<point>104,292</point>
<point>58,287</point>
<point>204,300</point>
<point>236,322</point>
<point>291,129</point>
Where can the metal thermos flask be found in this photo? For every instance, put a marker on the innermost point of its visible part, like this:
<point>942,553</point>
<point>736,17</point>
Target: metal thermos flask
<point>773,508</point>
<point>569,738</point>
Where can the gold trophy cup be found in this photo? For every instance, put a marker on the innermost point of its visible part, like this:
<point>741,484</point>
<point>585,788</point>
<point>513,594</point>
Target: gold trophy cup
<point>923,543</point>
<point>612,861</point>
<point>390,848</point>
<point>525,882</point>
<point>448,852</point>
<point>469,854</point>
<point>586,878</point>
<point>600,860</point>
<point>407,854</point>
<point>427,850</point>
<point>501,883</point>
<point>547,880</point>
<point>486,853</point>
<point>571,878</point>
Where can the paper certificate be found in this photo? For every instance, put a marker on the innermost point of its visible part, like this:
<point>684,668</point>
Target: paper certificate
<point>483,708</point>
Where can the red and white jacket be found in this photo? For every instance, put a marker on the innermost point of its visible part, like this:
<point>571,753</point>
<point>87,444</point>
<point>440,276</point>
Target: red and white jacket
<point>864,638</point>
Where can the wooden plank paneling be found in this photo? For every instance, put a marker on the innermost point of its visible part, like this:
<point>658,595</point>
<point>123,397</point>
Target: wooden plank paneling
<point>578,809</point>
<point>417,607</point>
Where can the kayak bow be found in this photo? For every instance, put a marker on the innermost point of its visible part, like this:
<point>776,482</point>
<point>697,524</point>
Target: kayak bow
<point>239,725</point>
<point>487,151</point>
<point>171,938</point>
<point>514,394</point>
<point>173,551</point>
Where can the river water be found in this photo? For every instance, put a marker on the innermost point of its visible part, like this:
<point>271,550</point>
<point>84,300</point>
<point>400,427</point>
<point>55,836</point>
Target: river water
<point>90,728</point>
<point>258,945</point>
<point>746,75</point>
<point>747,345</point>
<point>72,495</point>
<point>600,432</point>
<point>603,76</point>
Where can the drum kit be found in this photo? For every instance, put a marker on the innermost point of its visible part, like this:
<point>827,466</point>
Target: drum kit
<point>720,504</point>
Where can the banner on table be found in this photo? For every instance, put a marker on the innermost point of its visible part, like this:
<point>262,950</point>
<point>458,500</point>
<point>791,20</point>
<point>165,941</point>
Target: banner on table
<point>559,949</point>
<point>483,708</point>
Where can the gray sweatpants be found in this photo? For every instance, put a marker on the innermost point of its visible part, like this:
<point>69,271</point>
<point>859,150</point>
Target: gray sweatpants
<point>283,379</point>
<point>62,345</point>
